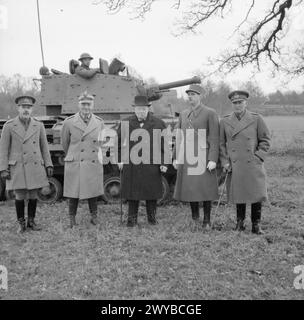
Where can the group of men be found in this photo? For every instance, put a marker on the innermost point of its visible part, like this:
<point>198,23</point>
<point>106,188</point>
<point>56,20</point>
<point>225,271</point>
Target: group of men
<point>239,142</point>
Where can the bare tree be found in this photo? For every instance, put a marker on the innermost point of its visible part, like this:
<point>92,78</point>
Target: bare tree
<point>259,40</point>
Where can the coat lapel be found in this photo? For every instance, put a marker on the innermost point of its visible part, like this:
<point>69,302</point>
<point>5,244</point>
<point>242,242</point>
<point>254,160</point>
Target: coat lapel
<point>243,123</point>
<point>18,128</point>
<point>149,122</point>
<point>191,116</point>
<point>31,129</point>
<point>78,123</point>
<point>93,124</point>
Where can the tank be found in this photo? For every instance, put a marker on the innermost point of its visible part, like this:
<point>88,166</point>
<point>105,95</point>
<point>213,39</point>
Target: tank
<point>114,95</point>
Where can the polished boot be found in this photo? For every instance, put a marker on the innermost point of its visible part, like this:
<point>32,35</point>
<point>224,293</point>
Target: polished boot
<point>207,212</point>
<point>93,210</point>
<point>132,213</point>
<point>19,204</point>
<point>195,210</point>
<point>73,205</point>
<point>31,213</point>
<point>240,216</point>
<point>256,213</point>
<point>151,211</point>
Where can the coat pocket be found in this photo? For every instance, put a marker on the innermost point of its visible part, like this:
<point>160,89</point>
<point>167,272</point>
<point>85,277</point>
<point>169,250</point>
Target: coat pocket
<point>68,158</point>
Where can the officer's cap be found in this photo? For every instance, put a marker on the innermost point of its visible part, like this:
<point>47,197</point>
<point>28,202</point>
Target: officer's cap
<point>195,88</point>
<point>85,56</point>
<point>85,97</point>
<point>238,95</point>
<point>141,101</point>
<point>25,100</point>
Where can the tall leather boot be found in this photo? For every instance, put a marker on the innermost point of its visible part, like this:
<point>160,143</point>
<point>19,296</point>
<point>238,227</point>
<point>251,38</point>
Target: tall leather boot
<point>195,210</point>
<point>132,212</point>
<point>31,213</point>
<point>207,212</point>
<point>19,205</point>
<point>151,211</point>
<point>73,205</point>
<point>93,210</point>
<point>240,216</point>
<point>256,213</point>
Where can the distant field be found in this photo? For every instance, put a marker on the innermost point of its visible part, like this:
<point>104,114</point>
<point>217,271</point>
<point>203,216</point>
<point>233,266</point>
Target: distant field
<point>286,131</point>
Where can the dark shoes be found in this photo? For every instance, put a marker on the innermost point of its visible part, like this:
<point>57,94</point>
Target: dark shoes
<point>94,220</point>
<point>72,221</point>
<point>31,224</point>
<point>256,228</point>
<point>22,225</point>
<point>240,225</point>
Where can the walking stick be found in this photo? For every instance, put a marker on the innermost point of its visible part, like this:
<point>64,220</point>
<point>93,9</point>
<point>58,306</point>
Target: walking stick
<point>220,198</point>
<point>121,213</point>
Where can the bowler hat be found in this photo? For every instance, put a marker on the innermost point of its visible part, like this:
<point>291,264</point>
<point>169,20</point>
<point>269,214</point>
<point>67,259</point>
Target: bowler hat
<point>85,56</point>
<point>25,100</point>
<point>195,88</point>
<point>141,101</point>
<point>238,95</point>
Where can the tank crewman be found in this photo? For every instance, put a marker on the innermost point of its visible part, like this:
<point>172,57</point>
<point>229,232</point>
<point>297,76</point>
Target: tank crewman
<point>25,161</point>
<point>200,186</point>
<point>83,173</point>
<point>244,143</point>
<point>142,181</point>
<point>84,69</point>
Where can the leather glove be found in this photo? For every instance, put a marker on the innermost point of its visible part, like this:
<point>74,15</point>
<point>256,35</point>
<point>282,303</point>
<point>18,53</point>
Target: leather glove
<point>49,171</point>
<point>163,169</point>
<point>227,167</point>
<point>5,175</point>
<point>174,164</point>
<point>211,165</point>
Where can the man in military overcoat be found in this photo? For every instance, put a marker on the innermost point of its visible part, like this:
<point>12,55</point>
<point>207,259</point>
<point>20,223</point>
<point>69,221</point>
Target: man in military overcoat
<point>244,144</point>
<point>143,180</point>
<point>83,172</point>
<point>197,186</point>
<point>25,161</point>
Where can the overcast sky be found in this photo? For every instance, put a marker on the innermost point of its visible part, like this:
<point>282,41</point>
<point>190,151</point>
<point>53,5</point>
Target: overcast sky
<point>71,27</point>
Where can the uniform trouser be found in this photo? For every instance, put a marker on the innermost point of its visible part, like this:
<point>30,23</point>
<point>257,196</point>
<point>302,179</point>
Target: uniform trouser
<point>256,211</point>
<point>73,205</point>
<point>31,196</point>
<point>133,209</point>
<point>195,209</point>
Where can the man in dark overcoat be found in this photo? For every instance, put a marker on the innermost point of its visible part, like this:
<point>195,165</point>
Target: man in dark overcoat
<point>202,185</point>
<point>25,160</point>
<point>244,144</point>
<point>141,176</point>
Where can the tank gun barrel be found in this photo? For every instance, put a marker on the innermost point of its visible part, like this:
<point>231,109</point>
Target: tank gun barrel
<point>180,83</point>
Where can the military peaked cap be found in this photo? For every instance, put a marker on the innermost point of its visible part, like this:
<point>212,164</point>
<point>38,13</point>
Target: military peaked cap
<point>195,88</point>
<point>25,100</point>
<point>238,95</point>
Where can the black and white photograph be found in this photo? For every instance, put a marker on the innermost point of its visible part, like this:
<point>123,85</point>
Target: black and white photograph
<point>151,152</point>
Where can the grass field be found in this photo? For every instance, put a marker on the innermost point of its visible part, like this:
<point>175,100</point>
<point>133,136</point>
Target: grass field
<point>172,260</point>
